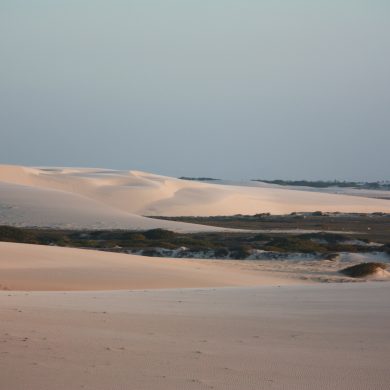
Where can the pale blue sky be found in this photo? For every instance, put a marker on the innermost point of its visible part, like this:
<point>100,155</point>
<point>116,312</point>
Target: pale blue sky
<point>230,89</point>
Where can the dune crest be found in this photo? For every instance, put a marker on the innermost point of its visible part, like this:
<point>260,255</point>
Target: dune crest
<point>104,198</point>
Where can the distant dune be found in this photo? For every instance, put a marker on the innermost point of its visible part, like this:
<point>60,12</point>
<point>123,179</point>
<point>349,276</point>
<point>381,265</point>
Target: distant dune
<point>102,198</point>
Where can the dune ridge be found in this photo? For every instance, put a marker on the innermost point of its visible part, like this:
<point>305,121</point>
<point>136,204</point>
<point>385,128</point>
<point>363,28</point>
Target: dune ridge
<point>104,198</point>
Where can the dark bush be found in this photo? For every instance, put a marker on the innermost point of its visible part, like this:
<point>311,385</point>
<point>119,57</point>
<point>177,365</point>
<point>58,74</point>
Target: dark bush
<point>261,215</point>
<point>221,253</point>
<point>166,245</point>
<point>363,269</point>
<point>260,237</point>
<point>293,244</point>
<point>331,238</point>
<point>240,252</point>
<point>137,237</point>
<point>331,256</point>
<point>150,252</point>
<point>14,234</point>
<point>159,234</point>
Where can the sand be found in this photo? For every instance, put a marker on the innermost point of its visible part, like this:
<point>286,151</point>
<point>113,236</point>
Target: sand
<point>35,267</point>
<point>84,319</point>
<point>101,198</point>
<point>171,324</point>
<point>31,206</point>
<point>325,337</point>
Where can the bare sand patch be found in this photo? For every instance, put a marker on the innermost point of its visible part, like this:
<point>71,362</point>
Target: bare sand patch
<point>323,337</point>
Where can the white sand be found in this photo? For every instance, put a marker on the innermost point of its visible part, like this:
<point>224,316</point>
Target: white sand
<point>99,198</point>
<point>36,267</point>
<point>323,337</point>
<point>26,206</point>
<point>272,335</point>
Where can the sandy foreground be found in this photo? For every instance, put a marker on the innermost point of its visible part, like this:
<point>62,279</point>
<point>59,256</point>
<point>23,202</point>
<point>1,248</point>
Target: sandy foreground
<point>153,333</point>
<point>328,336</point>
<point>92,198</point>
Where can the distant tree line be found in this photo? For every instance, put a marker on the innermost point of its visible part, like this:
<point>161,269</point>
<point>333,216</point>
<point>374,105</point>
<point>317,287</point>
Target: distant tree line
<point>198,178</point>
<point>331,183</point>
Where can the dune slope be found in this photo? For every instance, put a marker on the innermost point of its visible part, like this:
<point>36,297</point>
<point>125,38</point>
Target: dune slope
<point>35,267</point>
<point>101,198</point>
<point>22,205</point>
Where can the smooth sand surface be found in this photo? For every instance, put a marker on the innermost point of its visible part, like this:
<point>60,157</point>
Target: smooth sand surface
<point>325,337</point>
<point>364,192</point>
<point>102,198</point>
<point>27,206</point>
<point>36,267</point>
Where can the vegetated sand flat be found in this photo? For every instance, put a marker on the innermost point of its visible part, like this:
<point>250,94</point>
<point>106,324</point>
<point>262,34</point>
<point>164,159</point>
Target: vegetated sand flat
<point>325,337</point>
<point>101,198</point>
<point>38,267</point>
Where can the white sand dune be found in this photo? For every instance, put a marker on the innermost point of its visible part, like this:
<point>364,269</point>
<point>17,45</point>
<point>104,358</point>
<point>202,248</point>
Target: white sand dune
<point>22,205</point>
<point>36,267</point>
<point>101,198</point>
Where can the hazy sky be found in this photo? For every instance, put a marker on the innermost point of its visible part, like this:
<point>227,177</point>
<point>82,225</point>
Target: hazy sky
<point>231,89</point>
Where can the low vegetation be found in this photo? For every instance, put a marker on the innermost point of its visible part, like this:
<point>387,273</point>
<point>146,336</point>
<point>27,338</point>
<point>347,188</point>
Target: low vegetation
<point>198,178</point>
<point>241,245</point>
<point>371,227</point>
<point>331,183</point>
<point>362,270</point>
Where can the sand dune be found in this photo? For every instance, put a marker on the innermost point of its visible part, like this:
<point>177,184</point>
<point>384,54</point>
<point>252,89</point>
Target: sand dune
<point>101,198</point>
<point>35,267</point>
<point>22,205</point>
